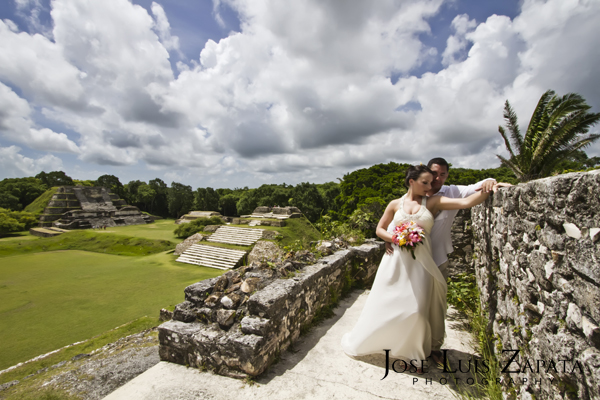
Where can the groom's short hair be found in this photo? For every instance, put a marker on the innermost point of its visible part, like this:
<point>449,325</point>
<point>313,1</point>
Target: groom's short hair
<point>439,161</point>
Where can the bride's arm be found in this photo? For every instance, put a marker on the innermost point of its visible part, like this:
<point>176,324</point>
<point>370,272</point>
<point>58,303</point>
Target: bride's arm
<point>385,220</point>
<point>438,203</point>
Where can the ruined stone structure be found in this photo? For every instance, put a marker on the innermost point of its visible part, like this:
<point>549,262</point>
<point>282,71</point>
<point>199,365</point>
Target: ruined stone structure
<point>237,327</point>
<point>275,212</point>
<point>192,215</point>
<point>84,207</point>
<point>537,254</point>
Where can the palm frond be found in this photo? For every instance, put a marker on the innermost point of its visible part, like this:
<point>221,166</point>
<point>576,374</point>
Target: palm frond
<point>512,166</point>
<point>539,120</point>
<point>506,141</point>
<point>513,125</point>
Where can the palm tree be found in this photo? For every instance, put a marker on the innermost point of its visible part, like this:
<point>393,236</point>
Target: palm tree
<point>558,127</point>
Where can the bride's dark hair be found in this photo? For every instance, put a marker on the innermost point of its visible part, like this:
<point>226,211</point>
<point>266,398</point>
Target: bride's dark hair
<point>414,171</point>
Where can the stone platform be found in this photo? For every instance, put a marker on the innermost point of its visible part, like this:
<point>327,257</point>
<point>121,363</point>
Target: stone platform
<point>281,213</point>
<point>47,232</point>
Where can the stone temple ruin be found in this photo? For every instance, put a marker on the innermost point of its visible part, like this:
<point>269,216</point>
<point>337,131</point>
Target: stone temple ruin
<point>84,207</point>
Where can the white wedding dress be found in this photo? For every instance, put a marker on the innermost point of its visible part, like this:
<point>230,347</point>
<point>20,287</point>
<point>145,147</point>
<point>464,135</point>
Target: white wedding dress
<point>406,309</point>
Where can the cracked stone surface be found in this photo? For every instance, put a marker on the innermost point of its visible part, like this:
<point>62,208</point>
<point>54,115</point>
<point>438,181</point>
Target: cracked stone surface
<point>315,368</point>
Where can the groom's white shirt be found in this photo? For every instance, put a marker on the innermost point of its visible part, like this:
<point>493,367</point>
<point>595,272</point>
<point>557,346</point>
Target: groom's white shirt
<point>441,239</point>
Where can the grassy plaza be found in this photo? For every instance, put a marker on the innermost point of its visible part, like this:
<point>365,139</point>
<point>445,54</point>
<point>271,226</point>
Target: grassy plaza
<point>49,299</point>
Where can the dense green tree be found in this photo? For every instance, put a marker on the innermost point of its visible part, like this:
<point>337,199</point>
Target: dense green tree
<point>385,181</point>
<point>558,127</point>
<point>113,184</point>
<point>329,191</point>
<point>466,176</point>
<point>145,195</point>
<point>10,202</point>
<point>577,161</point>
<point>307,198</point>
<point>227,205</point>
<point>206,199</point>
<point>17,193</point>
<point>279,197</point>
<point>131,192</point>
<point>15,221</point>
<point>247,202</point>
<point>159,205</point>
<point>180,199</point>
<point>55,178</point>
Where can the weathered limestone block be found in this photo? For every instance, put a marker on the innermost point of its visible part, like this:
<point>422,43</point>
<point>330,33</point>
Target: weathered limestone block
<point>271,234</point>
<point>198,292</point>
<point>184,312</point>
<point>264,251</point>
<point>211,228</point>
<point>256,325</point>
<point>225,318</point>
<point>187,243</point>
<point>249,285</point>
<point>165,315</point>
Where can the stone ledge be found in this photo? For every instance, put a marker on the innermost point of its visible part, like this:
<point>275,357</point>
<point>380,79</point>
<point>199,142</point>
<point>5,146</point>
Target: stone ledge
<point>272,319</point>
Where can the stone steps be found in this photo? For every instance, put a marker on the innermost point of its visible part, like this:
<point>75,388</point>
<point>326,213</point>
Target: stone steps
<point>212,256</point>
<point>239,236</point>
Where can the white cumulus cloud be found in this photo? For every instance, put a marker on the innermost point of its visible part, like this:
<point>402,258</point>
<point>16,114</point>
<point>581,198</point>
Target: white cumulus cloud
<point>305,90</point>
<point>14,165</point>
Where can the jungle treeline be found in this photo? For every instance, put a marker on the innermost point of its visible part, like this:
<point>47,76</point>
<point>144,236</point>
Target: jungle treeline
<point>359,197</point>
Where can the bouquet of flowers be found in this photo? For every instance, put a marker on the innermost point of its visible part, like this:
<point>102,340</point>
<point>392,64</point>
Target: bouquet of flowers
<point>407,236</point>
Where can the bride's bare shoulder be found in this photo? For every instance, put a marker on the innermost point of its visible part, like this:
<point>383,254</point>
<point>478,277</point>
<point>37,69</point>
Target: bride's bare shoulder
<point>394,205</point>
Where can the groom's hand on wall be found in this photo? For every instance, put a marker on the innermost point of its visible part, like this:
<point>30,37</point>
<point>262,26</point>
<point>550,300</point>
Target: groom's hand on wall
<point>487,186</point>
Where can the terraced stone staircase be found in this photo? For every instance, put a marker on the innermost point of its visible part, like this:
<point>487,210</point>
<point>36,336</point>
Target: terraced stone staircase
<point>239,236</point>
<point>212,256</point>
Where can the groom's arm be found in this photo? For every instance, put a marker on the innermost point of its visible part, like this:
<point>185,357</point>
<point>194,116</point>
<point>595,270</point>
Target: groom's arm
<point>486,185</point>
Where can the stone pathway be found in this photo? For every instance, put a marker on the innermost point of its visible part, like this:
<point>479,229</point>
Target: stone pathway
<point>316,368</point>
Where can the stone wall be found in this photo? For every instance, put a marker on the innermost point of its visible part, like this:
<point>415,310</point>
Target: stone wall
<point>537,251</point>
<point>220,328</point>
<point>461,259</point>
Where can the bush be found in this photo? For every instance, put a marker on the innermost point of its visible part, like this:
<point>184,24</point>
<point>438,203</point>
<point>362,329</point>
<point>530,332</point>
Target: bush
<point>331,229</point>
<point>187,229</point>
<point>15,221</point>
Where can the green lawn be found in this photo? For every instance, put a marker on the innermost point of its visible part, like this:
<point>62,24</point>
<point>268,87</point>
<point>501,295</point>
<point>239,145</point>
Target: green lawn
<point>51,299</point>
<point>52,293</point>
<point>161,229</point>
<point>89,240</point>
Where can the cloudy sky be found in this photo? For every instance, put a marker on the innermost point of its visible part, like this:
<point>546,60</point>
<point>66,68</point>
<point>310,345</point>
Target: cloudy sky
<point>233,93</point>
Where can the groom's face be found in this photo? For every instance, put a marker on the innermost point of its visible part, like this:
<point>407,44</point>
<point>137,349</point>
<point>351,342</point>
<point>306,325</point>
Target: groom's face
<point>440,174</point>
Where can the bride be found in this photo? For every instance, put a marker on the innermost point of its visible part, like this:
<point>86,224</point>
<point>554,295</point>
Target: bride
<point>406,310</point>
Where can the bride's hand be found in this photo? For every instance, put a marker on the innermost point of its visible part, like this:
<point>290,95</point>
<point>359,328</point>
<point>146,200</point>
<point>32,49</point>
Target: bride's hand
<point>389,250</point>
